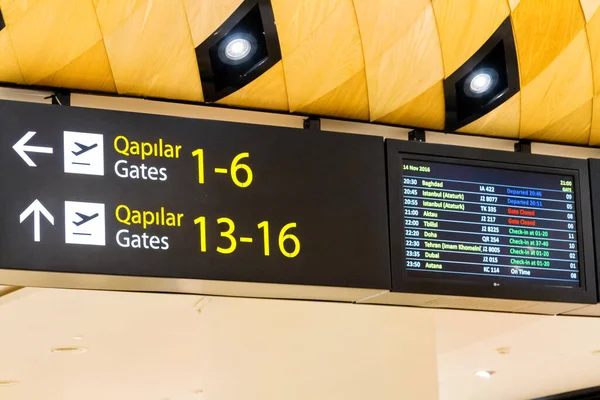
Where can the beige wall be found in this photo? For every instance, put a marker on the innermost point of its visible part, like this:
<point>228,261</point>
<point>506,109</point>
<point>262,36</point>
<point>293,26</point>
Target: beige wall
<point>157,347</point>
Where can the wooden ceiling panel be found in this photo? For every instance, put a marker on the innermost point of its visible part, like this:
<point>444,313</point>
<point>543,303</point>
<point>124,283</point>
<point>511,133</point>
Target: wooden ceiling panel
<point>378,60</point>
<point>503,121</point>
<point>13,10</point>
<point>111,14</point>
<point>559,93</point>
<point>575,126</point>
<point>589,8</point>
<point>543,29</point>
<point>410,66</point>
<point>426,111</point>
<point>593,33</point>
<point>48,35</point>
<point>10,71</point>
<point>513,4</point>
<point>266,92</point>
<point>348,100</point>
<point>150,48</point>
<point>327,58</point>
<point>205,16</point>
<point>90,70</point>
<point>595,130</point>
<point>297,20</point>
<point>382,23</point>
<point>464,26</point>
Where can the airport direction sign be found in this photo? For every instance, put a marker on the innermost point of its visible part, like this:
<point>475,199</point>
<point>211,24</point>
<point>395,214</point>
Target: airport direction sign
<point>111,193</point>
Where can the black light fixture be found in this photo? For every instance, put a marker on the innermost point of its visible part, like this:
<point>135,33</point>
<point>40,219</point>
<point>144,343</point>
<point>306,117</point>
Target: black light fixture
<point>240,50</point>
<point>486,80</point>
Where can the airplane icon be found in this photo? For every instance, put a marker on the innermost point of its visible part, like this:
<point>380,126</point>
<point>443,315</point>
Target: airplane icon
<point>84,153</point>
<point>84,223</point>
<point>84,218</point>
<point>83,148</point>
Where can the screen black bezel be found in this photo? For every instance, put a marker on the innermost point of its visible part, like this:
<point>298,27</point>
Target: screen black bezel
<point>594,170</point>
<point>398,150</point>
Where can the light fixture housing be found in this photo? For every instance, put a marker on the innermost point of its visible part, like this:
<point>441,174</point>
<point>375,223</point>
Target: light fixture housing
<point>486,80</point>
<point>244,47</point>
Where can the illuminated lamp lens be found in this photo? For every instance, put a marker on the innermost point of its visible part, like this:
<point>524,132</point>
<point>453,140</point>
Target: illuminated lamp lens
<point>238,49</point>
<point>481,82</point>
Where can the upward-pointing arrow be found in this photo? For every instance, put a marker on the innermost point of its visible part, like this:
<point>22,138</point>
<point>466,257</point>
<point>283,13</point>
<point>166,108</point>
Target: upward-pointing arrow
<point>36,208</point>
<point>21,148</point>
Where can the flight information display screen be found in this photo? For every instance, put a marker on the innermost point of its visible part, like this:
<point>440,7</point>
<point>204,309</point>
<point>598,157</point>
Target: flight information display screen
<point>489,225</point>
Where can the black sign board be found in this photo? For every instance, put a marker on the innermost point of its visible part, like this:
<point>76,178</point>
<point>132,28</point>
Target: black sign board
<point>594,165</point>
<point>114,193</point>
<point>473,222</point>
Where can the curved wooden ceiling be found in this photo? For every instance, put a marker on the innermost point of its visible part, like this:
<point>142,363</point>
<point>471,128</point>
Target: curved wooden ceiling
<point>371,60</point>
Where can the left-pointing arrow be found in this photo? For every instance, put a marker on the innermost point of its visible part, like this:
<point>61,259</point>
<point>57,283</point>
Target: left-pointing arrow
<point>22,148</point>
<point>36,208</point>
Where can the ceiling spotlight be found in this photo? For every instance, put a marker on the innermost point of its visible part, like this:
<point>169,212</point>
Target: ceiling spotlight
<point>484,374</point>
<point>480,82</point>
<point>237,49</point>
<point>484,81</point>
<point>241,49</point>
